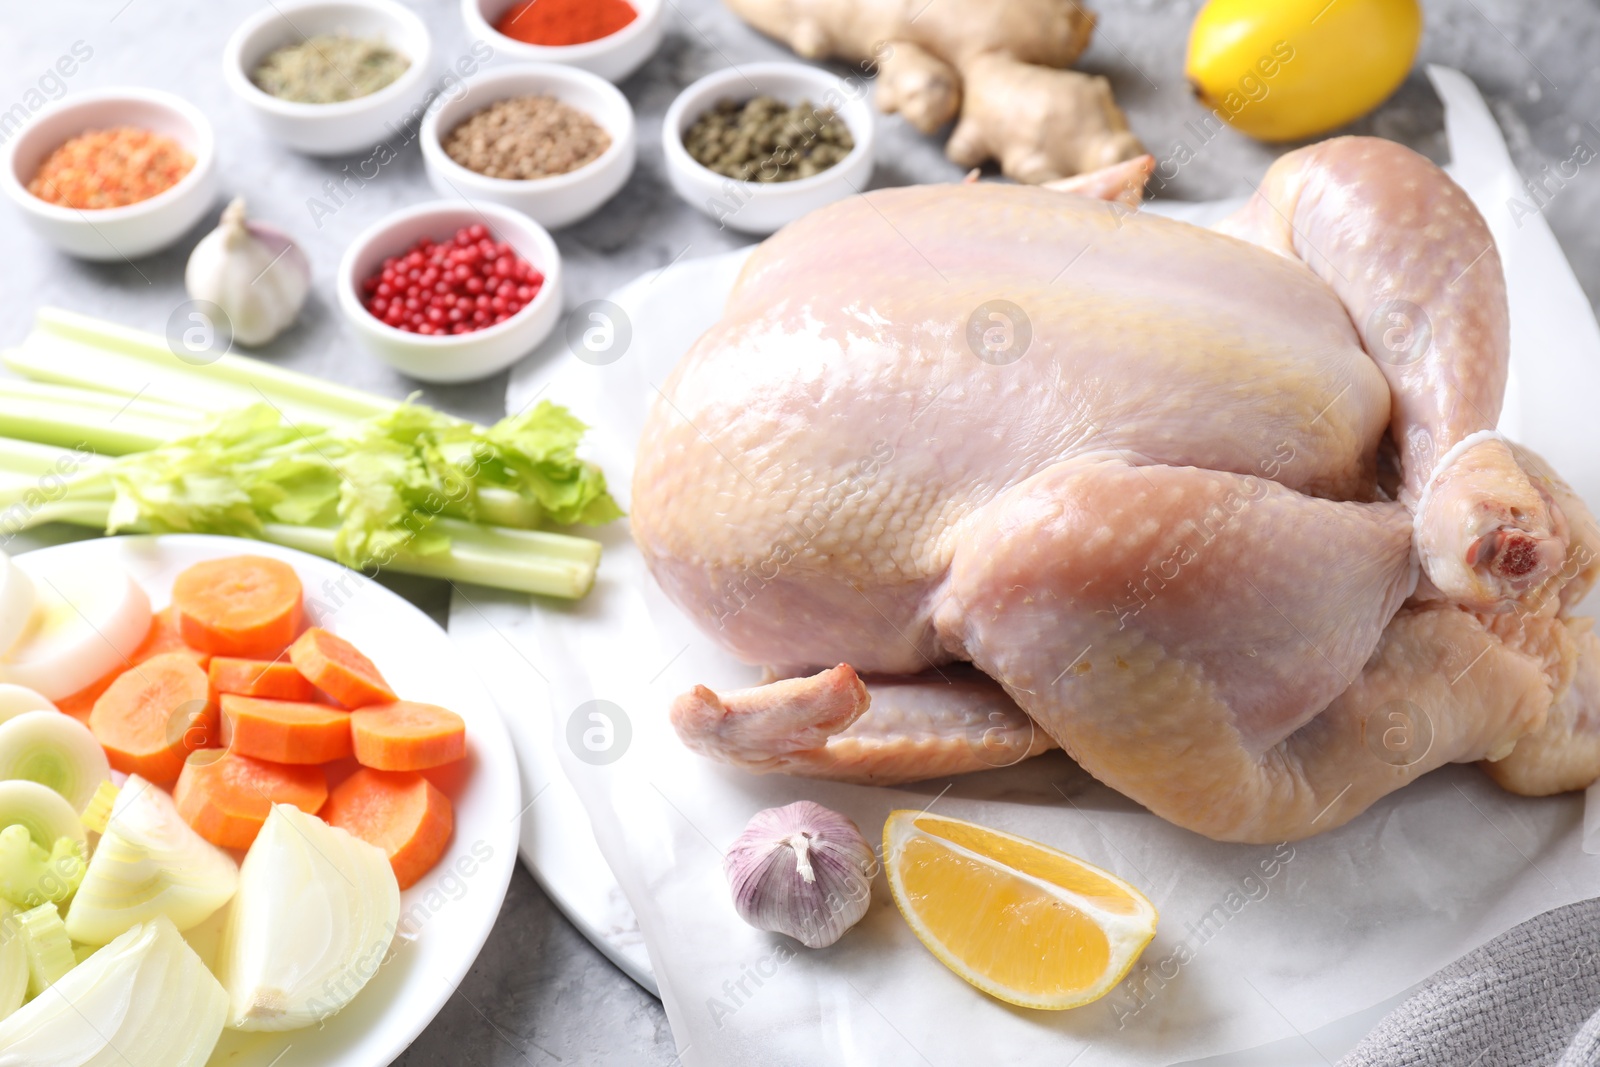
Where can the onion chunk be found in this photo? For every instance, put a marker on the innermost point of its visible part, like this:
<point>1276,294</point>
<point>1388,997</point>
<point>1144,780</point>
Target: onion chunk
<point>145,998</point>
<point>312,921</point>
<point>149,862</point>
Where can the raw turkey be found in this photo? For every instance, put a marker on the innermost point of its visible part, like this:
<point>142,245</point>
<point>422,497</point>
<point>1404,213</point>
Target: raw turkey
<point>984,469</point>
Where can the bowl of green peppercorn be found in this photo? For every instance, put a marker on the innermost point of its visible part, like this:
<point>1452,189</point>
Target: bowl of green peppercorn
<point>759,145</point>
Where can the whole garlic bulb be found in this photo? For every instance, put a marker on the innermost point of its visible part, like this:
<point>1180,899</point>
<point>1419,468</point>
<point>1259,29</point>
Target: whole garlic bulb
<point>254,272</point>
<point>801,870</point>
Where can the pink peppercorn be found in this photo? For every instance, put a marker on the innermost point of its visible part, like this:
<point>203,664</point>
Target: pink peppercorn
<point>451,287</point>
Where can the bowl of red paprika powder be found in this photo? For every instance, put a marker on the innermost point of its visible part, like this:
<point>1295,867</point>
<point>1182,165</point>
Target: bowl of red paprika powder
<point>611,38</point>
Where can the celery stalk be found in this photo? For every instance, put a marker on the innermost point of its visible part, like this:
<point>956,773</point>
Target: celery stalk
<point>528,561</point>
<point>140,357</point>
<point>67,349</point>
<point>65,361</point>
<point>111,425</point>
<point>49,949</point>
<point>545,563</point>
<point>13,962</point>
<point>111,391</point>
<point>113,405</point>
<point>31,874</point>
<point>98,812</point>
<point>108,424</point>
<point>28,459</point>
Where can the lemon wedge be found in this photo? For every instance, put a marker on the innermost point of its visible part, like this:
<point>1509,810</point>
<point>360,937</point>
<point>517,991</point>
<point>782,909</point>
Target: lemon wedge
<point>1021,921</point>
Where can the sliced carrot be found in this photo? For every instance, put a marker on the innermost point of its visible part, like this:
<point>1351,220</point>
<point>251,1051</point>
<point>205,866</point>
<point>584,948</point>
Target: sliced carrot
<point>154,715</point>
<point>226,797</point>
<point>260,678</point>
<point>284,731</point>
<point>162,637</point>
<point>406,736</point>
<point>81,703</point>
<point>336,667</point>
<point>399,811</point>
<point>239,606</point>
<point>165,635</point>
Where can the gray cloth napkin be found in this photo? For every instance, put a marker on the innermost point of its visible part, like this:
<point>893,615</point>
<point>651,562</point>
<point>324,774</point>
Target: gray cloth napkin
<point>1529,998</point>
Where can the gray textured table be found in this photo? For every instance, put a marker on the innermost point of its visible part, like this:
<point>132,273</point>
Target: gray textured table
<point>539,994</point>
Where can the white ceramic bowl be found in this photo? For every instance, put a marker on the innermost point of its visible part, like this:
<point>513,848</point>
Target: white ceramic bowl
<point>452,357</point>
<point>349,125</point>
<point>757,207</point>
<point>118,232</point>
<point>613,58</point>
<point>561,199</point>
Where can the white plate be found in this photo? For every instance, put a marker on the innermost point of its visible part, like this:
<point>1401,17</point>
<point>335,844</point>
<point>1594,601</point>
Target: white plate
<point>492,629</point>
<point>453,908</point>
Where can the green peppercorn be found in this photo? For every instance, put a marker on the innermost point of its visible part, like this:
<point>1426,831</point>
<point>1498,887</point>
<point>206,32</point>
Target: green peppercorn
<point>766,140</point>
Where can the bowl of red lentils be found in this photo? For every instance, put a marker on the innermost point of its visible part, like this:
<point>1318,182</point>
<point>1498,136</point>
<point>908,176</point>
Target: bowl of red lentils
<point>451,292</point>
<point>553,142</point>
<point>113,174</point>
<point>611,38</point>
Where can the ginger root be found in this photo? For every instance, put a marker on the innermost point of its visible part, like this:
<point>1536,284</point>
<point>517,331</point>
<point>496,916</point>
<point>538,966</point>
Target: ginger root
<point>995,62</point>
<point>1041,124</point>
<point>1052,33</point>
<point>923,88</point>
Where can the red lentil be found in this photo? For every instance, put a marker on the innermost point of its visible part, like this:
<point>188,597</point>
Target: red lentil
<point>464,284</point>
<point>110,168</point>
<point>563,22</point>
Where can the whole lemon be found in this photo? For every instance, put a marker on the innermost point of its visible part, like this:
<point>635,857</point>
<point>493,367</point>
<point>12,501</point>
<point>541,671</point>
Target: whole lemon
<point>1280,70</point>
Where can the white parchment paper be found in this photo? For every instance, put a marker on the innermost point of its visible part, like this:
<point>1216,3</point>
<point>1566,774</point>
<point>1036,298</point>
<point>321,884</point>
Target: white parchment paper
<point>1256,944</point>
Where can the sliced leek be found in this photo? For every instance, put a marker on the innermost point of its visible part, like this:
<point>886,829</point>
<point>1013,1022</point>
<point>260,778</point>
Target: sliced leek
<point>312,921</point>
<point>47,945</point>
<point>148,863</point>
<point>18,699</point>
<point>144,1000</point>
<point>47,814</point>
<point>55,750</point>
<point>42,844</point>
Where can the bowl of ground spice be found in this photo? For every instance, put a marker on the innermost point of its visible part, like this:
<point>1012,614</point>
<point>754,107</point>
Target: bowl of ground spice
<point>611,38</point>
<point>330,77</point>
<point>759,145</point>
<point>553,142</point>
<point>113,174</point>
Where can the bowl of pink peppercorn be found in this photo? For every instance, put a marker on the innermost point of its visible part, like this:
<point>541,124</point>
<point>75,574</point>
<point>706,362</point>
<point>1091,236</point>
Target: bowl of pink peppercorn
<point>451,292</point>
